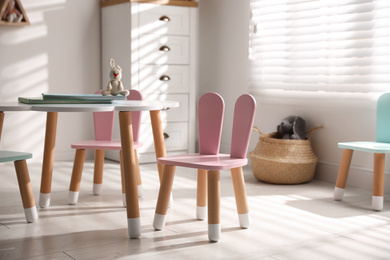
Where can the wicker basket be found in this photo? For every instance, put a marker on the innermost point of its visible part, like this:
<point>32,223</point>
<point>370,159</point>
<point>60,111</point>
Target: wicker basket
<point>282,161</point>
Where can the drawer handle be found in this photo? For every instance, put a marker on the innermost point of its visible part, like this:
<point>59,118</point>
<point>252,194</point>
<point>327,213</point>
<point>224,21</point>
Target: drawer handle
<point>164,48</point>
<point>166,136</point>
<point>164,18</point>
<point>165,78</point>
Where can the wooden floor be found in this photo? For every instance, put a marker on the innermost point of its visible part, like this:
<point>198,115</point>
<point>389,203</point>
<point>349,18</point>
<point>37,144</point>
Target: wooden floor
<point>288,221</point>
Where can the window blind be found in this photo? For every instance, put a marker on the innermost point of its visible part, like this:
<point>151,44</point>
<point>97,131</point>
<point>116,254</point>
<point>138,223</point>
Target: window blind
<point>320,45</point>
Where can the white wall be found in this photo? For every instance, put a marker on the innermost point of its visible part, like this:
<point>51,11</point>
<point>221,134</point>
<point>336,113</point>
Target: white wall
<point>58,53</point>
<point>224,68</point>
<point>223,53</point>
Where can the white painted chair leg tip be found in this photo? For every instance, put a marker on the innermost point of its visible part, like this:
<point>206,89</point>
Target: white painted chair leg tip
<point>201,212</point>
<point>377,202</point>
<point>134,227</point>
<point>73,197</point>
<point>159,221</point>
<point>31,214</point>
<point>44,200</point>
<point>140,191</point>
<point>214,231</point>
<point>97,189</point>
<point>338,193</point>
<point>244,220</point>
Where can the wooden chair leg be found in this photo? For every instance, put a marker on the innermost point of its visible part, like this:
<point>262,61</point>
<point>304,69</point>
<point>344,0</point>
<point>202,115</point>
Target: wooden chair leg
<point>378,183</point>
<point>342,175</point>
<point>77,171</point>
<point>164,197</point>
<point>241,197</point>
<point>98,172</point>
<point>30,210</point>
<point>201,198</point>
<point>1,122</point>
<point>214,214</point>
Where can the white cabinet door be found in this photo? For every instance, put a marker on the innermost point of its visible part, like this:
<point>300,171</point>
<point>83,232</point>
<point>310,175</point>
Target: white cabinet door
<point>163,49</point>
<point>176,137</point>
<point>168,20</point>
<point>164,79</point>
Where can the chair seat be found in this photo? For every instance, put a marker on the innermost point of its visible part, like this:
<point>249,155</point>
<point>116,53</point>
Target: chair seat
<point>10,156</point>
<point>373,147</point>
<point>204,162</point>
<point>102,145</point>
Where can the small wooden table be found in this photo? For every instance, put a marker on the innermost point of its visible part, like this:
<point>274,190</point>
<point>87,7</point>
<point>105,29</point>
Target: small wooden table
<point>126,134</point>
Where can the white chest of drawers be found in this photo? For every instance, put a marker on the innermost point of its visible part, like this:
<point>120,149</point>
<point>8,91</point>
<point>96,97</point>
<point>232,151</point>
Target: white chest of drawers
<point>156,47</point>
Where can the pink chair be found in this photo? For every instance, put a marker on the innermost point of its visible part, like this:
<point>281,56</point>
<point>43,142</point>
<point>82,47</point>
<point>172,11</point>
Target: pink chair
<point>209,162</point>
<point>103,124</point>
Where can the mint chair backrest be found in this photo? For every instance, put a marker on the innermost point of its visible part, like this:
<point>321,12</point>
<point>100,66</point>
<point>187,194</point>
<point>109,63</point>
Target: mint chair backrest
<point>211,108</point>
<point>244,114</point>
<point>383,119</point>
<point>104,121</point>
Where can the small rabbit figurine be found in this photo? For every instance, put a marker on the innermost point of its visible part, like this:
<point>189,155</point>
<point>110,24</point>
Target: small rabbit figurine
<point>115,86</point>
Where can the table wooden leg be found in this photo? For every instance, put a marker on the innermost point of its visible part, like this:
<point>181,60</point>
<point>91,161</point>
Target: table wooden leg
<point>130,170</point>
<point>48,159</point>
<point>159,142</point>
<point>158,136</point>
<point>1,122</point>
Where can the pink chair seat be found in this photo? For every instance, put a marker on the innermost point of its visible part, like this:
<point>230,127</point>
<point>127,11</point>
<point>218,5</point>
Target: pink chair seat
<point>102,145</point>
<point>103,125</point>
<point>206,162</point>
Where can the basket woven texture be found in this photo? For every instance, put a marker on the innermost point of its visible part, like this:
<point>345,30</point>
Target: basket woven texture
<point>281,161</point>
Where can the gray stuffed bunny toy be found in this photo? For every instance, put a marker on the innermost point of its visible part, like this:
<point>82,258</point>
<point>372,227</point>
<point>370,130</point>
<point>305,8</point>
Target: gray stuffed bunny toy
<point>292,127</point>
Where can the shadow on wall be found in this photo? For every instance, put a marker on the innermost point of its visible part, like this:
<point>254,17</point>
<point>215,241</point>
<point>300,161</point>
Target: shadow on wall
<point>24,72</point>
<point>50,55</point>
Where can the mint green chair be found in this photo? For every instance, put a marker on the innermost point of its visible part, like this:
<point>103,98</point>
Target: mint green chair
<point>19,159</point>
<point>379,148</point>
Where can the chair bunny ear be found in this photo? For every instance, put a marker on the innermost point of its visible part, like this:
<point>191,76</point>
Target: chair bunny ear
<point>112,63</point>
<point>119,68</point>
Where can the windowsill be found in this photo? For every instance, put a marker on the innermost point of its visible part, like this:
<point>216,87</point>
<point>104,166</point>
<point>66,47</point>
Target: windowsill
<point>317,99</point>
